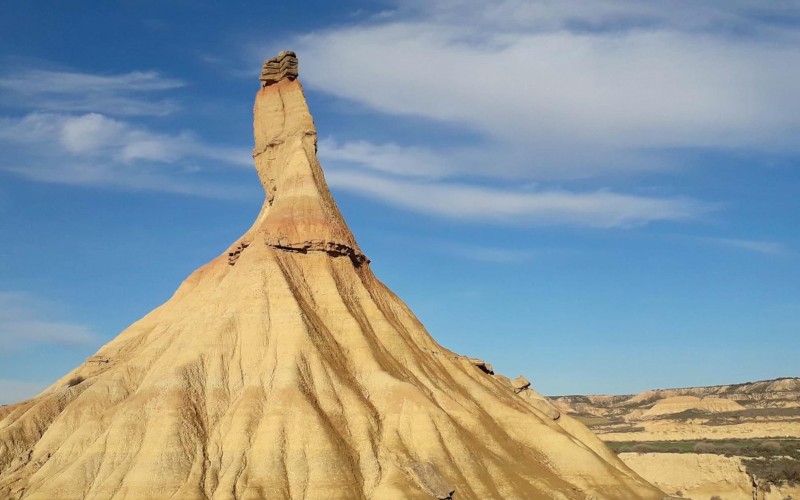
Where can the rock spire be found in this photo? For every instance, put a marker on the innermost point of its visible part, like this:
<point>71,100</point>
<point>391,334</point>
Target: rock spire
<point>284,369</point>
<point>299,213</point>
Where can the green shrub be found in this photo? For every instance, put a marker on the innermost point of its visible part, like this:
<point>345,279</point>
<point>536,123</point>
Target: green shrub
<point>791,472</point>
<point>775,470</point>
<point>704,447</point>
<point>729,449</point>
<point>770,446</point>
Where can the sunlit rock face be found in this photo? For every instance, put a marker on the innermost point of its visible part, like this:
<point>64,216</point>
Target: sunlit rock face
<point>284,369</point>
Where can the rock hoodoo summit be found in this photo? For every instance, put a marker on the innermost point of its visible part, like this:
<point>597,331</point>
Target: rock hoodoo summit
<point>284,369</point>
<point>278,68</point>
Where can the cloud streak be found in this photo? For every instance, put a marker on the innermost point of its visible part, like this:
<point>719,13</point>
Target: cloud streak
<point>490,255</point>
<point>566,90</point>
<point>762,247</point>
<point>95,149</point>
<point>554,93</point>
<point>738,16</point>
<point>560,91</point>
<point>71,91</point>
<point>387,158</point>
<point>27,319</point>
<point>600,208</point>
<point>79,129</point>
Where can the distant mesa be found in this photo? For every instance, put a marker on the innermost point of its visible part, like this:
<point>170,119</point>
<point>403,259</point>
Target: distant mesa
<point>725,441</point>
<point>278,68</point>
<point>762,409</point>
<point>678,404</point>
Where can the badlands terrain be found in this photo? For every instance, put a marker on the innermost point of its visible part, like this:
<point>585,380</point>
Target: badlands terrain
<point>737,441</point>
<point>284,368</point>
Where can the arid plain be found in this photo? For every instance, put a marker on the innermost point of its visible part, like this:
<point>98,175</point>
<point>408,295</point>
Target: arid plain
<point>738,441</point>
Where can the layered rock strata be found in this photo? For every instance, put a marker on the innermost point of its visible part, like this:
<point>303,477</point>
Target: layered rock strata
<point>284,66</point>
<point>284,369</point>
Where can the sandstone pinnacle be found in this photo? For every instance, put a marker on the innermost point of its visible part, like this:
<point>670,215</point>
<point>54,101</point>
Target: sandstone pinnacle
<point>284,369</point>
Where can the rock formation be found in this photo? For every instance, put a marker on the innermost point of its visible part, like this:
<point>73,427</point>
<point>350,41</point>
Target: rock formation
<point>704,476</point>
<point>278,68</point>
<point>520,384</point>
<point>680,404</point>
<point>763,409</point>
<point>284,369</point>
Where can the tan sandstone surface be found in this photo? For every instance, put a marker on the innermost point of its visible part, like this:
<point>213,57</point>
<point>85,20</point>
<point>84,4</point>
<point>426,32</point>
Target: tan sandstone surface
<point>702,476</point>
<point>749,419</point>
<point>699,428</point>
<point>678,404</point>
<point>751,410</point>
<point>284,369</point>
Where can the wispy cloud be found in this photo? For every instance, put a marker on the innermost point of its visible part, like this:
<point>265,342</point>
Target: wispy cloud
<point>95,149</point>
<point>737,16</point>
<point>763,247</point>
<point>27,319</point>
<point>388,158</point>
<point>71,91</point>
<point>568,90</point>
<point>78,130</point>
<point>490,255</point>
<point>490,204</point>
<point>558,92</point>
<point>94,134</point>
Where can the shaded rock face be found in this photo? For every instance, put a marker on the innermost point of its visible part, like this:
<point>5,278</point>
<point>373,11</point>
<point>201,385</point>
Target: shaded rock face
<point>284,369</point>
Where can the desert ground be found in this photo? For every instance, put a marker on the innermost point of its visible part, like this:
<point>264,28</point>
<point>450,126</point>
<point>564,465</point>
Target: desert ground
<point>738,441</point>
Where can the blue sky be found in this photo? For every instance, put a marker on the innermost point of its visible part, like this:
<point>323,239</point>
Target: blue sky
<point>603,197</point>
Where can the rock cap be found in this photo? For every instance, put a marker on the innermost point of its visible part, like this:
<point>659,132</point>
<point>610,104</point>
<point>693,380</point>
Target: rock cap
<point>284,65</point>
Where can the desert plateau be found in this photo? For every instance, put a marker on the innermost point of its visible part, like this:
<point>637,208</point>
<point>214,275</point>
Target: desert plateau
<point>738,441</point>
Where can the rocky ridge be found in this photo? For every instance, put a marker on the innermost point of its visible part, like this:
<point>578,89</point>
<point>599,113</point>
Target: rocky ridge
<point>776,393</point>
<point>703,476</point>
<point>701,441</point>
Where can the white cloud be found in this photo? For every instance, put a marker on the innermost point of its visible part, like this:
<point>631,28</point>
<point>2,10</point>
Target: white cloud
<point>71,91</point>
<point>387,158</point>
<point>13,391</point>
<point>764,247</point>
<point>556,91</point>
<point>73,133</point>
<point>94,149</point>
<point>94,134</point>
<point>85,133</point>
<point>568,89</point>
<point>36,81</point>
<point>542,15</point>
<point>26,319</point>
<point>562,90</point>
<point>487,204</point>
